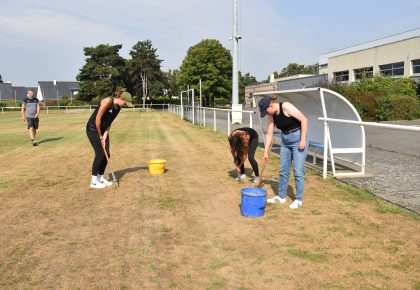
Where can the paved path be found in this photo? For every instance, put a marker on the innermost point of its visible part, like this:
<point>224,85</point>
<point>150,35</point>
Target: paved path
<point>392,160</point>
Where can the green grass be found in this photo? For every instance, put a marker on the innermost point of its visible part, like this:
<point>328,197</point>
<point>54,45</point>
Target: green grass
<point>313,256</point>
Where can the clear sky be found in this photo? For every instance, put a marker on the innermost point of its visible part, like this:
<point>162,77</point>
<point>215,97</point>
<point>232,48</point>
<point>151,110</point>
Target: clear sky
<point>43,39</point>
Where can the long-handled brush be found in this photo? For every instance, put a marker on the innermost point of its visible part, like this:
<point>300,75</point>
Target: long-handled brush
<point>110,167</point>
<point>264,164</point>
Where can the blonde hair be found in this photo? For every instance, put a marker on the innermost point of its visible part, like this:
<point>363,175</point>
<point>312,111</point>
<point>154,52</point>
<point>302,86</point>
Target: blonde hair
<point>118,92</point>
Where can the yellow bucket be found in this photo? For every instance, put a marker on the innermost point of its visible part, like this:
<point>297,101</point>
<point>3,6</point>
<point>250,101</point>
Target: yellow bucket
<point>156,166</point>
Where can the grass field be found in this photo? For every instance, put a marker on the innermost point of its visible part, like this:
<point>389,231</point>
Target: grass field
<point>182,229</point>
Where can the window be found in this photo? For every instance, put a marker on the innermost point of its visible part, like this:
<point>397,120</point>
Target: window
<point>392,69</point>
<point>365,72</point>
<point>416,66</point>
<point>341,76</point>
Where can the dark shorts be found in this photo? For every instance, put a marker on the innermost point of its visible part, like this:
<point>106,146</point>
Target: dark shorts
<point>32,122</point>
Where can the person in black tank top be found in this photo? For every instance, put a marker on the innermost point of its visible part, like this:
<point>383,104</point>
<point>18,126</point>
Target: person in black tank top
<point>244,142</point>
<point>294,147</point>
<point>97,130</point>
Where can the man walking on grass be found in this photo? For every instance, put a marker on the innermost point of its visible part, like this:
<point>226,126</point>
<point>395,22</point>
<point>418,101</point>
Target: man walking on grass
<point>30,114</point>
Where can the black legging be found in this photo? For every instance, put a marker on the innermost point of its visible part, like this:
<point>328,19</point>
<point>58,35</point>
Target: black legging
<point>253,144</point>
<point>100,162</point>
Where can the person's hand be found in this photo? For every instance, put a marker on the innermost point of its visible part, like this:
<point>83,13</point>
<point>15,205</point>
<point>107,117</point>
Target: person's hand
<point>302,144</point>
<point>265,156</point>
<point>257,182</point>
<point>103,141</point>
<point>24,120</point>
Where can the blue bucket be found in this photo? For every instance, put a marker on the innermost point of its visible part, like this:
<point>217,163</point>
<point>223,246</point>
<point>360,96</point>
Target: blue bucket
<point>253,201</point>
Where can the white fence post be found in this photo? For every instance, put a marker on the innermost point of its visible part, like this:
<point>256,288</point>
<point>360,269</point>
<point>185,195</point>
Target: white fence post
<point>250,120</point>
<point>204,117</point>
<point>214,119</point>
<point>228,131</point>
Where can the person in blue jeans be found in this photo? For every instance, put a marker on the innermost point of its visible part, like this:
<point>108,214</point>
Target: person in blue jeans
<point>294,148</point>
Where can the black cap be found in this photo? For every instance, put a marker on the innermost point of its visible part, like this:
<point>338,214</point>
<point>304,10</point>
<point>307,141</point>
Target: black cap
<point>263,104</point>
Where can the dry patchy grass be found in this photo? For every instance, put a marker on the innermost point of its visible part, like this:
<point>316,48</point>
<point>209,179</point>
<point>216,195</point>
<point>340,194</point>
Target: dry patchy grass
<point>182,229</point>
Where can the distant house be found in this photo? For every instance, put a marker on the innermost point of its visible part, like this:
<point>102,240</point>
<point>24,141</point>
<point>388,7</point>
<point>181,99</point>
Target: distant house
<point>19,93</point>
<point>6,91</point>
<point>55,90</point>
<point>10,92</point>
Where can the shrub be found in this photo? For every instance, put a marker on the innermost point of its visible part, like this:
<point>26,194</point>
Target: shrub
<point>384,111</point>
<point>405,107</point>
<point>381,97</point>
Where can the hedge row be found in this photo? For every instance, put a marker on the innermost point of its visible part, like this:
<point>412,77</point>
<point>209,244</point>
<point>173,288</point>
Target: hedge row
<point>382,98</point>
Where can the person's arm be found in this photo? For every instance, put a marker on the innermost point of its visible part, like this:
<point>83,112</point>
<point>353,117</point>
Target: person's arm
<point>268,136</point>
<point>106,133</point>
<point>23,109</point>
<point>105,104</point>
<point>38,109</point>
<point>291,110</point>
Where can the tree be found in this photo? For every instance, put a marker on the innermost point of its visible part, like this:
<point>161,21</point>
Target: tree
<point>172,82</point>
<point>102,73</point>
<point>1,80</point>
<point>244,81</point>
<point>145,74</point>
<point>293,69</point>
<point>211,62</point>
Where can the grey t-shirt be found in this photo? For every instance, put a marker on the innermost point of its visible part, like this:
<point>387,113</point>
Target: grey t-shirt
<point>30,106</point>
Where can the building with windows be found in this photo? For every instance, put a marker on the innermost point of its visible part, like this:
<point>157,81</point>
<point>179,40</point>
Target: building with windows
<point>396,56</point>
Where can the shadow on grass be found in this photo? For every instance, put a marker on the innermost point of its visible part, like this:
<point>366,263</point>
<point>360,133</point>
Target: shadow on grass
<point>249,172</point>
<point>49,140</point>
<point>274,187</point>
<point>120,173</point>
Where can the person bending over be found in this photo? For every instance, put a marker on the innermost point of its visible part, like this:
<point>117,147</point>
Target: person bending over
<point>243,143</point>
<point>97,130</point>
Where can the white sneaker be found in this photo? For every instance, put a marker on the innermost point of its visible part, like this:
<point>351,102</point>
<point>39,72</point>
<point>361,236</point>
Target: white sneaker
<point>256,179</point>
<point>276,199</point>
<point>106,182</point>
<point>295,204</point>
<point>97,185</point>
<point>241,177</point>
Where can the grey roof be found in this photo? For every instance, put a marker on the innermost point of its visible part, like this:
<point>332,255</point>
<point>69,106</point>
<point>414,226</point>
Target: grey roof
<point>60,89</point>
<point>9,92</point>
<point>19,92</point>
<point>6,92</point>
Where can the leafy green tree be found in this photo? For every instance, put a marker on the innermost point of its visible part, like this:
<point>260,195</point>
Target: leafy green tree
<point>211,62</point>
<point>245,80</point>
<point>172,82</point>
<point>144,70</point>
<point>102,72</point>
<point>294,69</point>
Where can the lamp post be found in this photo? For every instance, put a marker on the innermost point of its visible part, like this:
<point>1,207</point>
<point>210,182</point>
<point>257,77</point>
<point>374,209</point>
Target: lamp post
<point>237,115</point>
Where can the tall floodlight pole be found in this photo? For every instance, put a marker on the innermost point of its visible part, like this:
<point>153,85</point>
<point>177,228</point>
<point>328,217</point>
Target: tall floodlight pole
<point>236,116</point>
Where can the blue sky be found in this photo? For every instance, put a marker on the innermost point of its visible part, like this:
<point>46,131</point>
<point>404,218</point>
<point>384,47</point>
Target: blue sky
<point>43,39</point>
